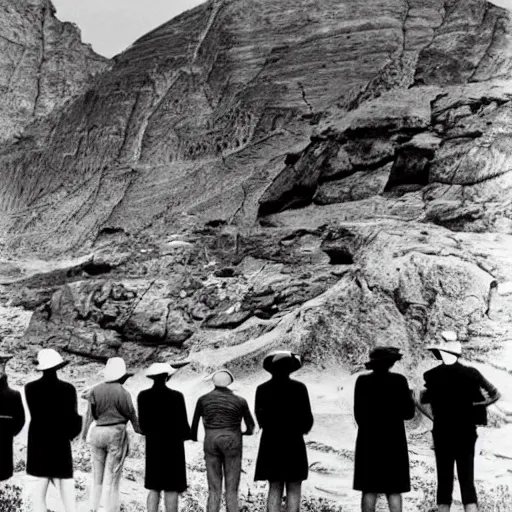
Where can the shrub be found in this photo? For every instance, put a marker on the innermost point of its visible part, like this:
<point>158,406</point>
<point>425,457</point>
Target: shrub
<point>11,498</point>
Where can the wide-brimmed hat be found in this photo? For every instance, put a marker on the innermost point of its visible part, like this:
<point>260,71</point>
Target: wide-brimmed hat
<point>49,359</point>
<point>450,347</point>
<point>282,361</point>
<point>381,355</point>
<point>222,379</point>
<point>159,369</point>
<point>115,369</point>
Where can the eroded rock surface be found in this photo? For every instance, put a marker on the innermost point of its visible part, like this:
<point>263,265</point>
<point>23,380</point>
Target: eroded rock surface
<point>212,114</point>
<point>43,63</point>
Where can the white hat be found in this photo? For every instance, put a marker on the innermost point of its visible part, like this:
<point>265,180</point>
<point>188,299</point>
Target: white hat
<point>115,369</point>
<point>160,369</point>
<point>48,359</point>
<point>451,347</point>
<point>449,335</point>
<point>222,379</point>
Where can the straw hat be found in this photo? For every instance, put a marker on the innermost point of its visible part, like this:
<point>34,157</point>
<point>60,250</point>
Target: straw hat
<point>115,369</point>
<point>222,379</point>
<point>283,361</point>
<point>157,369</point>
<point>378,355</point>
<point>49,359</point>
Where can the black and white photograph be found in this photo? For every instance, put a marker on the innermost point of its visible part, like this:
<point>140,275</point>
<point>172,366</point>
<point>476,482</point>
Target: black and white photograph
<point>255,255</point>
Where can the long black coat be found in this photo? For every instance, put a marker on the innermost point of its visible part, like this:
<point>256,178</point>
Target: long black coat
<point>381,404</point>
<point>54,422</point>
<point>284,414</point>
<point>12,419</point>
<point>163,420</point>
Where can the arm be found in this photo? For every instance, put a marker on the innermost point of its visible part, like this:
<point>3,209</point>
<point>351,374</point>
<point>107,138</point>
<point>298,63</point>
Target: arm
<point>423,401</point>
<point>88,419</point>
<point>18,415</point>
<point>409,408</point>
<point>195,422</point>
<point>131,414</point>
<point>491,392</point>
<point>185,427</point>
<point>75,419</point>
<point>92,404</point>
<point>143,415</point>
<point>359,401</point>
<point>307,415</point>
<point>259,408</point>
<point>248,420</point>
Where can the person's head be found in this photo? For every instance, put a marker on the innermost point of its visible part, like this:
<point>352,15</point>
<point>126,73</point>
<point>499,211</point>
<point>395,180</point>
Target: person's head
<point>160,373</point>
<point>222,379</point>
<point>281,363</point>
<point>49,361</point>
<point>449,349</point>
<point>115,371</point>
<point>383,358</point>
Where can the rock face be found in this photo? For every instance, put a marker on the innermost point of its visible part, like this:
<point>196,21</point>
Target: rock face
<point>43,63</point>
<point>212,113</point>
<point>250,174</point>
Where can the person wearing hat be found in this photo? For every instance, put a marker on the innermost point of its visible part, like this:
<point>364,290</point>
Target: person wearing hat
<point>222,412</point>
<point>163,420</point>
<point>12,419</point>
<point>456,395</point>
<point>382,401</point>
<point>283,412</point>
<point>111,408</point>
<point>54,423</point>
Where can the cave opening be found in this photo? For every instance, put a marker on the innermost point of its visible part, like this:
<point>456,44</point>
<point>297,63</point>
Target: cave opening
<point>339,255</point>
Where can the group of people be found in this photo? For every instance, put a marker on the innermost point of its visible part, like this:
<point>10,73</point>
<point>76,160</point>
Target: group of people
<point>455,397</point>
<point>282,407</point>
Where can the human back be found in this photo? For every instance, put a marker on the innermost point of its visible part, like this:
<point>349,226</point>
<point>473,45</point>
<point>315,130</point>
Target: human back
<point>222,409</point>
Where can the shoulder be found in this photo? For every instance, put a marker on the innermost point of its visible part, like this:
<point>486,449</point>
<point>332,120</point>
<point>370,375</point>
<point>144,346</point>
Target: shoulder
<point>470,371</point>
<point>297,385</point>
<point>433,372</point>
<point>144,394</point>
<point>175,395</point>
<point>398,378</point>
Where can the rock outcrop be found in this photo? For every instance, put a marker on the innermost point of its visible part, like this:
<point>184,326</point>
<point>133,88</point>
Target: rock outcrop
<point>43,63</point>
<point>250,174</point>
<point>212,113</point>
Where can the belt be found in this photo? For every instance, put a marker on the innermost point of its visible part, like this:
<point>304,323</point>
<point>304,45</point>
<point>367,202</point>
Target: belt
<point>112,424</point>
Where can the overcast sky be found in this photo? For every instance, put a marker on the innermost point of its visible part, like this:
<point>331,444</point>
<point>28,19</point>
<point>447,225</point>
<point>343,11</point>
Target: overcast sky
<point>112,25</point>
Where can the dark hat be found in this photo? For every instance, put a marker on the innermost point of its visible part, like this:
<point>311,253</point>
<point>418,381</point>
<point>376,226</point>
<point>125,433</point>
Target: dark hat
<point>282,361</point>
<point>383,355</point>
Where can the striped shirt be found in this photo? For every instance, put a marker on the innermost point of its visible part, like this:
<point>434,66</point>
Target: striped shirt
<point>221,408</point>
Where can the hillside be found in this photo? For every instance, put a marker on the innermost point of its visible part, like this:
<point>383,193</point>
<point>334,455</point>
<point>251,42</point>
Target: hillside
<point>251,175</point>
<point>43,63</point>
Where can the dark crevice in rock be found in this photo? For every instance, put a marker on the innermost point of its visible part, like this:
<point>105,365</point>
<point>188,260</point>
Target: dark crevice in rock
<point>339,255</point>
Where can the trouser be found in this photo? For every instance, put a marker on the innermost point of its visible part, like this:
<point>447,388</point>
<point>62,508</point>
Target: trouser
<point>223,457</point>
<point>109,448</point>
<point>450,449</point>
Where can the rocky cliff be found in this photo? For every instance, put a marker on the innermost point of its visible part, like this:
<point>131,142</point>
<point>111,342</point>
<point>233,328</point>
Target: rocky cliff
<point>43,63</point>
<point>251,175</point>
<point>211,113</point>
<point>247,158</point>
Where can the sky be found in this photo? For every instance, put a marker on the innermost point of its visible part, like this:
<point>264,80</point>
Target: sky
<point>112,25</point>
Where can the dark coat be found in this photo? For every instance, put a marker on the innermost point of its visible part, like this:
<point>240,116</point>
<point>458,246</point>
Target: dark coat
<point>382,402</point>
<point>54,422</point>
<point>284,414</point>
<point>12,419</point>
<point>452,390</point>
<point>163,420</point>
